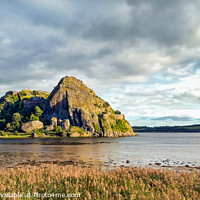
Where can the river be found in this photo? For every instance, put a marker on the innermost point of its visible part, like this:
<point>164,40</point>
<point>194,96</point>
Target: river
<point>145,149</point>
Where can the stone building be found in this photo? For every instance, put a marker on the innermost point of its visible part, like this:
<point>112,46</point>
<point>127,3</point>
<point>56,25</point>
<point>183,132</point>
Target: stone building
<point>30,103</point>
<point>119,116</point>
<point>11,93</point>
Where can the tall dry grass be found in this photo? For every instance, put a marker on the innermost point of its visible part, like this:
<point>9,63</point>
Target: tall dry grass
<point>93,183</point>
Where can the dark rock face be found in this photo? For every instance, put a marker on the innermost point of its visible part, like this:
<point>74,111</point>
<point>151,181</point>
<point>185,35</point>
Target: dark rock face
<point>59,104</point>
<point>73,100</point>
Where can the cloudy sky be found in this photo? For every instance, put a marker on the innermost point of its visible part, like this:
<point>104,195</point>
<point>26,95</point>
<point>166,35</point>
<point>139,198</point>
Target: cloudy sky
<point>141,56</point>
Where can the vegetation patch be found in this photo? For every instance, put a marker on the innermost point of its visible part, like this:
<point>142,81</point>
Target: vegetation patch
<point>106,104</point>
<point>14,134</point>
<point>76,129</point>
<point>97,105</point>
<point>104,124</point>
<point>92,183</point>
<point>27,94</point>
<point>118,112</point>
<point>97,128</point>
<point>120,126</point>
<point>14,115</point>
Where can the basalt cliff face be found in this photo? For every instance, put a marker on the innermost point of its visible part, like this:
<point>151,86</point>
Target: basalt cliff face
<point>72,100</point>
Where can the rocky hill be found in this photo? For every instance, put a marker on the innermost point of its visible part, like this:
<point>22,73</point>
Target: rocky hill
<point>72,99</point>
<point>71,109</point>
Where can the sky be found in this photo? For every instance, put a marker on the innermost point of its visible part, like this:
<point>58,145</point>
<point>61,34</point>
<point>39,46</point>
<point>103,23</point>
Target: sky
<point>143,57</point>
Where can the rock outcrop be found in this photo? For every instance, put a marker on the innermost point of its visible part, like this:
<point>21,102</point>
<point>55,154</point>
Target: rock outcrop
<point>49,128</point>
<point>65,124</point>
<point>32,125</point>
<point>73,103</point>
<point>54,121</point>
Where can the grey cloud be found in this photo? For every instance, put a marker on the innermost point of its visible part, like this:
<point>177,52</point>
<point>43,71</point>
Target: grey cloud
<point>174,118</point>
<point>189,96</point>
<point>167,23</point>
<point>36,30</point>
<point>106,43</point>
<point>105,51</point>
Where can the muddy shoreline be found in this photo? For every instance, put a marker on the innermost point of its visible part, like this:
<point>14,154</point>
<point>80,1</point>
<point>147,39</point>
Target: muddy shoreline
<point>94,163</point>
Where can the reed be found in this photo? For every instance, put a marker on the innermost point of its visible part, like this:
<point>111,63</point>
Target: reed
<point>95,183</point>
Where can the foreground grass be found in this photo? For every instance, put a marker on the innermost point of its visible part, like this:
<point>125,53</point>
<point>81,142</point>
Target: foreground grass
<point>123,183</point>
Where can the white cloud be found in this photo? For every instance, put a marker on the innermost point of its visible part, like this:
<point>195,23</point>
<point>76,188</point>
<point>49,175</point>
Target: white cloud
<point>142,56</point>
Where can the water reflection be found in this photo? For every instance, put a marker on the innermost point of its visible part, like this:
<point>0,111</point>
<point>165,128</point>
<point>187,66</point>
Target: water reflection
<point>162,149</point>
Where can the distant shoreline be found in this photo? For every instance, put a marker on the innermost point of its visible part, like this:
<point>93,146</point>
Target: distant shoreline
<point>171,129</point>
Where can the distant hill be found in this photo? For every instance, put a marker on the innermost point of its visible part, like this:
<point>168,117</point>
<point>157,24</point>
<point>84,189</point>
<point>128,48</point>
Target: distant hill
<point>187,128</point>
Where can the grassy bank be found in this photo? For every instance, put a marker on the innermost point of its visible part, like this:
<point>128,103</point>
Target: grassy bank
<point>50,134</point>
<point>14,135</point>
<point>124,183</point>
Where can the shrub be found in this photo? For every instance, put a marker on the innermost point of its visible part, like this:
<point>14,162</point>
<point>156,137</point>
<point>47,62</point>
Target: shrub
<point>16,132</point>
<point>37,111</point>
<point>35,92</point>
<point>17,125</point>
<point>7,125</point>
<point>2,133</point>
<point>97,105</point>
<point>106,104</point>
<point>118,112</point>
<point>10,127</point>
<point>58,129</point>
<point>76,129</point>
<point>33,117</point>
<point>16,117</point>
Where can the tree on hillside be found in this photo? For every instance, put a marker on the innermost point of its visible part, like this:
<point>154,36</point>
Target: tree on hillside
<point>117,112</point>
<point>33,117</point>
<point>16,117</point>
<point>15,125</point>
<point>37,111</point>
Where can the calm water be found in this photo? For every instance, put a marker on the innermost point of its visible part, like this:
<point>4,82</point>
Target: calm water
<point>165,149</point>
